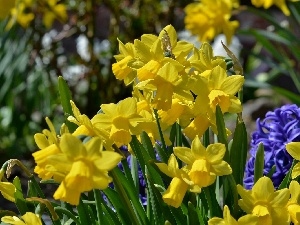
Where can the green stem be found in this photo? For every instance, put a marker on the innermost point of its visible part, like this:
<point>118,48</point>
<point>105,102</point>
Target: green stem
<point>160,131</point>
<point>98,200</point>
<point>68,213</point>
<point>124,198</point>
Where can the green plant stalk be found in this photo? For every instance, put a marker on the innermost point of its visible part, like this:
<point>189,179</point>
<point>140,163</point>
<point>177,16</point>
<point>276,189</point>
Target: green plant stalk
<point>125,199</point>
<point>64,211</point>
<point>98,200</point>
<point>160,131</point>
<point>82,213</point>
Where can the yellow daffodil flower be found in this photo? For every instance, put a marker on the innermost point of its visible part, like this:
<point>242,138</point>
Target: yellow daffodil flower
<point>265,203</point>
<point>281,4</point>
<point>293,204</point>
<point>6,7</point>
<point>204,164</point>
<point>83,166</point>
<point>293,149</point>
<point>19,14</point>
<point>28,218</point>
<point>48,142</point>
<point>203,59</point>
<point>120,120</point>
<point>166,83</point>
<point>179,185</point>
<point>121,69</point>
<point>229,220</point>
<point>56,11</point>
<point>87,127</point>
<point>7,189</point>
<point>209,18</point>
<point>213,87</point>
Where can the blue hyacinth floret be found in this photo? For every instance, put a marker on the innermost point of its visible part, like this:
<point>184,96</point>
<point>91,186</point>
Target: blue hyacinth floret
<point>279,127</point>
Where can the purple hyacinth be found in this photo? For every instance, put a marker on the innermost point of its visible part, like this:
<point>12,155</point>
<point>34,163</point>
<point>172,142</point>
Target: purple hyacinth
<point>279,127</point>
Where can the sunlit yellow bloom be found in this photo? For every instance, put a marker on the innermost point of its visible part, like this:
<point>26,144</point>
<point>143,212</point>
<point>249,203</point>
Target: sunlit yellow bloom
<point>209,18</point>
<point>48,142</point>
<point>87,127</point>
<point>84,166</point>
<point>179,185</point>
<point>213,87</point>
<point>265,203</point>
<point>121,69</point>
<point>203,59</point>
<point>229,220</point>
<point>56,11</point>
<point>5,8</point>
<point>19,15</point>
<point>166,83</point>
<point>7,189</point>
<point>293,204</point>
<point>268,3</point>
<point>28,218</point>
<point>204,164</point>
<point>120,120</point>
<point>293,149</point>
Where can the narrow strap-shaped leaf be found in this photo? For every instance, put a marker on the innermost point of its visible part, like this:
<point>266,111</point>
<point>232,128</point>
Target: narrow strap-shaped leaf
<point>121,210</point>
<point>222,135</point>
<point>68,213</point>
<point>238,152</point>
<point>110,214</point>
<point>65,97</point>
<point>83,213</point>
<point>146,141</point>
<point>20,201</point>
<point>145,160</point>
<point>193,216</point>
<point>129,196</point>
<point>212,202</point>
<point>259,162</point>
<point>288,177</point>
<point>231,196</point>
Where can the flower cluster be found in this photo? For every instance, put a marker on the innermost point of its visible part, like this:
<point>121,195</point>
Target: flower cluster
<point>23,12</point>
<point>279,127</point>
<point>208,18</point>
<point>281,4</point>
<point>202,168</point>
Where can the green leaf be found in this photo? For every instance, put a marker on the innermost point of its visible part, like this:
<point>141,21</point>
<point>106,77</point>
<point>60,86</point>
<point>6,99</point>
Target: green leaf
<point>259,162</point>
<point>65,97</point>
<point>288,177</point>
<point>238,152</point>
<point>130,197</point>
<point>68,213</point>
<point>121,210</point>
<point>194,216</point>
<point>295,98</point>
<point>222,135</point>
<point>20,201</point>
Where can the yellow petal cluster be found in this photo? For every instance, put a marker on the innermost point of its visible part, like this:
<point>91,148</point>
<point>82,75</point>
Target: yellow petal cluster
<point>208,18</point>
<point>23,12</point>
<point>265,203</point>
<point>281,4</point>
<point>7,189</point>
<point>81,167</point>
<point>28,218</point>
<point>180,183</point>
<point>204,165</point>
